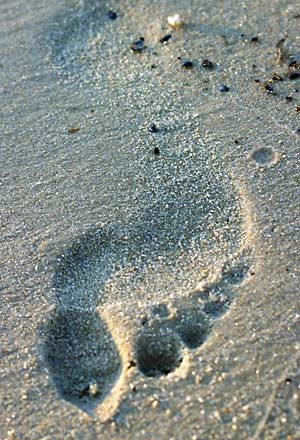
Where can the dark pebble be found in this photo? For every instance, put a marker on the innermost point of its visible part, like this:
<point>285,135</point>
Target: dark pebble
<point>138,45</point>
<point>131,364</point>
<point>254,39</point>
<point>144,320</point>
<point>257,80</point>
<point>294,75</point>
<point>207,64</point>
<point>269,89</point>
<point>187,64</point>
<point>156,151</point>
<point>152,128</point>
<point>223,88</point>
<point>165,38</point>
<point>112,15</point>
<point>289,98</point>
<point>297,131</point>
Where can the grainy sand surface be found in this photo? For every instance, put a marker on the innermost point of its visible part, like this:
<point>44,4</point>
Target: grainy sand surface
<point>149,280</point>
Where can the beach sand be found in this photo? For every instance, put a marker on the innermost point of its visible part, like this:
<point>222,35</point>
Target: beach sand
<point>149,273</point>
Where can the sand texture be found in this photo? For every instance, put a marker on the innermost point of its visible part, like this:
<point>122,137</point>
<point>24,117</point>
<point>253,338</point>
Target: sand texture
<point>150,224</point>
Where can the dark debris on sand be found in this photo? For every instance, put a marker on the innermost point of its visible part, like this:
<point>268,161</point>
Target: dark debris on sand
<point>139,45</point>
<point>152,128</point>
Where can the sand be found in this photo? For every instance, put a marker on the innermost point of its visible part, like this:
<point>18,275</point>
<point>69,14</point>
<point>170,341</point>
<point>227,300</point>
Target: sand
<point>149,279</point>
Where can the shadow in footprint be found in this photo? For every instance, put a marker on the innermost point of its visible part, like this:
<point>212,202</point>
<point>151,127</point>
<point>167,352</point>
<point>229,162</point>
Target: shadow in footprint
<point>82,357</point>
<point>217,298</point>
<point>158,352</point>
<point>192,325</point>
<point>158,345</point>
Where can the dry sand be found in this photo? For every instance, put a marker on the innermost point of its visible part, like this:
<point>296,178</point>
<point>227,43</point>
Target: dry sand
<point>149,281</point>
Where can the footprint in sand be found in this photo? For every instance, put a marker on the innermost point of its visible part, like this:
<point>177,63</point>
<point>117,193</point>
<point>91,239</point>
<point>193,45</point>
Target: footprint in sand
<point>172,268</point>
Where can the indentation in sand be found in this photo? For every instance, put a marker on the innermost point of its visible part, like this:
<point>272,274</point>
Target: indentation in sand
<point>145,291</point>
<point>81,355</point>
<point>157,352</point>
<point>264,157</point>
<point>86,348</point>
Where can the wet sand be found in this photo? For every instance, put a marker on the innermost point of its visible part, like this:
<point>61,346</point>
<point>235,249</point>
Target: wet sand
<point>149,277</point>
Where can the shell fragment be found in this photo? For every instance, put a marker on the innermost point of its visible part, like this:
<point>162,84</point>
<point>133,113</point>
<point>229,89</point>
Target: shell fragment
<point>175,21</point>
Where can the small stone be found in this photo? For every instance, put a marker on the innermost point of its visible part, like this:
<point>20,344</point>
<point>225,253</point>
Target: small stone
<point>11,435</point>
<point>73,130</point>
<point>294,75</point>
<point>254,39</point>
<point>198,380</point>
<point>112,15</point>
<point>131,364</point>
<point>269,89</point>
<point>289,98</point>
<point>175,21</point>
<point>138,45</point>
<point>93,389</point>
<point>156,151</point>
<point>132,387</point>
<point>152,128</point>
<point>155,404</point>
<point>165,38</point>
<point>223,88</point>
<point>145,319</point>
<point>207,64</point>
<point>187,64</point>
